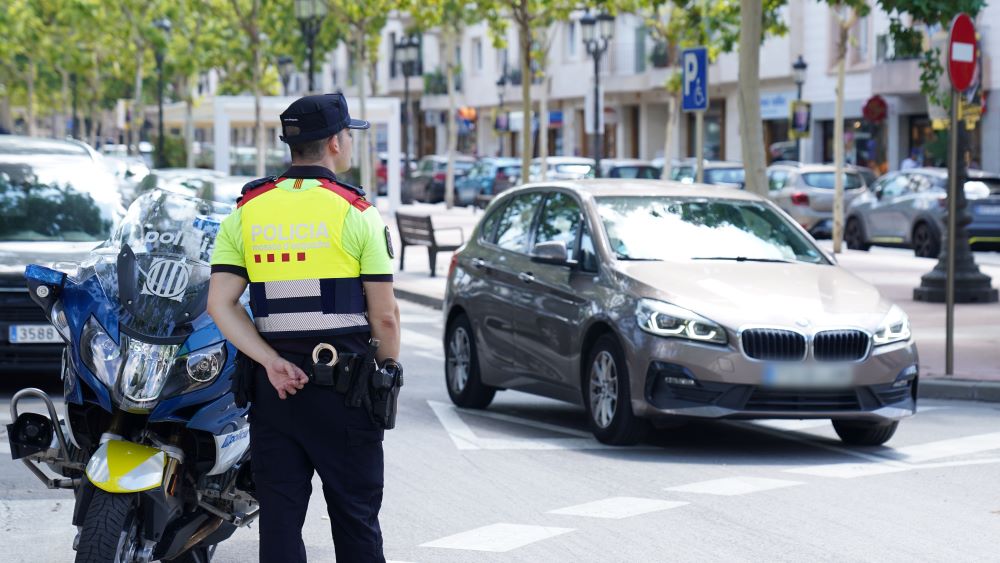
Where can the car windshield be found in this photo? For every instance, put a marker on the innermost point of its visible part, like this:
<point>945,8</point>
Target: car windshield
<point>825,180</point>
<point>57,199</point>
<point>685,228</point>
<point>580,170</point>
<point>638,171</point>
<point>724,176</point>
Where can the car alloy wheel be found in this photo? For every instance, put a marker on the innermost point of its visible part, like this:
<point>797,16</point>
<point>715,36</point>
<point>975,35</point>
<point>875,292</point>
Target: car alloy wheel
<point>603,389</point>
<point>459,360</point>
<point>925,243</point>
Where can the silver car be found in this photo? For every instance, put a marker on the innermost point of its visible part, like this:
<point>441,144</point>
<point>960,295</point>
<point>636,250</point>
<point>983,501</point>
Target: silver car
<point>908,209</point>
<point>648,300</point>
<point>805,191</point>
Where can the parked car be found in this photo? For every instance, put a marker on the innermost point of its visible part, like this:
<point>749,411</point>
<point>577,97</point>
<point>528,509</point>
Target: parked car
<point>717,172</point>
<point>57,202</point>
<point>805,191</point>
<point>427,183</point>
<point>909,209</point>
<point>382,171</point>
<point>562,291</point>
<point>563,168</point>
<point>629,168</point>
<point>484,178</point>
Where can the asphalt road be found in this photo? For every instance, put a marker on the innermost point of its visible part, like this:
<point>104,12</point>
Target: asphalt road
<point>523,481</point>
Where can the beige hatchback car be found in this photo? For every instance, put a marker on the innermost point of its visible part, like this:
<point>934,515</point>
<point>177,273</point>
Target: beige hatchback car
<point>648,300</point>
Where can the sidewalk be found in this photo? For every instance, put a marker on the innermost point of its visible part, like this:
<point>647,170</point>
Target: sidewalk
<point>894,272</point>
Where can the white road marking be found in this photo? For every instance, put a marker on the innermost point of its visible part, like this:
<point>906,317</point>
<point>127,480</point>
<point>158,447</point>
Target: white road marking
<point>532,423</point>
<point>465,439</point>
<point>793,425</point>
<point>427,355</point>
<point>732,486</point>
<point>498,538</point>
<point>850,470</point>
<point>948,448</point>
<point>618,507</point>
<point>420,340</point>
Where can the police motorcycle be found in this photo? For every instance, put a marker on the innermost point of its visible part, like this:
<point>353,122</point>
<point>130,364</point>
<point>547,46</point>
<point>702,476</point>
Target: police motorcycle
<point>151,442</point>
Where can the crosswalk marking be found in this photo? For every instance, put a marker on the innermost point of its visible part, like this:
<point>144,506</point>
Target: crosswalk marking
<point>948,448</point>
<point>497,538</point>
<point>618,507</point>
<point>732,486</point>
<point>416,339</point>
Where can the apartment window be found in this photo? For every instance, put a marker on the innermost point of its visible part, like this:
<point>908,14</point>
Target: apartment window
<point>477,54</point>
<point>393,71</point>
<point>571,40</point>
<point>858,40</point>
<point>859,49</point>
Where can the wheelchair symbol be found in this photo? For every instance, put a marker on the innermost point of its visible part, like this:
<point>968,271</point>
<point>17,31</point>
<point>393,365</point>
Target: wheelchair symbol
<point>699,95</point>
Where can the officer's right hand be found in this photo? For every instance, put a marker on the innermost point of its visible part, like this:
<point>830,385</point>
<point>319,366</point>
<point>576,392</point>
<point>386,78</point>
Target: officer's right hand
<point>286,377</point>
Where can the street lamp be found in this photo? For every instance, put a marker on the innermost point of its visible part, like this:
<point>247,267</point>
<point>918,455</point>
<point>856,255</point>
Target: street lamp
<point>163,24</point>
<point>799,75</point>
<point>597,46</point>
<point>285,66</point>
<point>310,14</point>
<point>407,53</point>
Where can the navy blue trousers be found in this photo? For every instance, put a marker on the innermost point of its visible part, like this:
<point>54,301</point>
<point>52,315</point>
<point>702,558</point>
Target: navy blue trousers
<point>314,431</point>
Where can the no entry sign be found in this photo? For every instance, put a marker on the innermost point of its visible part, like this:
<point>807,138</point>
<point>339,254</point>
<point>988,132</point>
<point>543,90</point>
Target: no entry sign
<point>962,52</point>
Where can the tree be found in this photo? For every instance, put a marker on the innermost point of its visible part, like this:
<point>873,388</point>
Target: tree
<point>363,23</point>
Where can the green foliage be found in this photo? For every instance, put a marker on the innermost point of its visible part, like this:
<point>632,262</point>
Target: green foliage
<point>174,151</point>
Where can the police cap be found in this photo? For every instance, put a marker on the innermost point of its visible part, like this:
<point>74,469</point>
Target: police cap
<point>317,117</point>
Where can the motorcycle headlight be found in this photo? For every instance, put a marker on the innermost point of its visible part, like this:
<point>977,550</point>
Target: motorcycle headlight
<point>894,328</point>
<point>58,319</point>
<point>664,319</point>
<point>147,368</point>
<point>205,365</point>
<point>100,353</point>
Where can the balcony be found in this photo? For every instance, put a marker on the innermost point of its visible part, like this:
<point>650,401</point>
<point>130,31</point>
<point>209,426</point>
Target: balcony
<point>894,73</point>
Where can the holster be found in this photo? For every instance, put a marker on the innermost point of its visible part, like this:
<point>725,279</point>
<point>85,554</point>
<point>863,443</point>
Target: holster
<point>376,390</point>
<point>242,384</point>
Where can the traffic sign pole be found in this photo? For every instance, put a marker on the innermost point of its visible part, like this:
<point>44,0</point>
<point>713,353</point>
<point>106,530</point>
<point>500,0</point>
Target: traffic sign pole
<point>949,287</point>
<point>699,146</point>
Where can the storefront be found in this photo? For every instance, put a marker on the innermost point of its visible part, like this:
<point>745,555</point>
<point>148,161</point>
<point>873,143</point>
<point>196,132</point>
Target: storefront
<point>774,113</point>
<point>715,131</point>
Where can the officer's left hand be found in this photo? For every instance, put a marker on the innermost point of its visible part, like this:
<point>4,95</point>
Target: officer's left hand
<point>286,377</point>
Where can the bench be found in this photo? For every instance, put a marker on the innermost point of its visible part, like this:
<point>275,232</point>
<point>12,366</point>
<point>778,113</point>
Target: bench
<point>418,230</point>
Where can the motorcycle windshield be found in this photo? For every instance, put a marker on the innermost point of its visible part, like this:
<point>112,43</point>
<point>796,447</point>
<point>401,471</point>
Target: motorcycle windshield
<point>156,266</point>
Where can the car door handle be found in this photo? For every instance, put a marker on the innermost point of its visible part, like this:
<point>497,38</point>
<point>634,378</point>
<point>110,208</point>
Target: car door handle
<point>478,263</point>
<point>526,277</point>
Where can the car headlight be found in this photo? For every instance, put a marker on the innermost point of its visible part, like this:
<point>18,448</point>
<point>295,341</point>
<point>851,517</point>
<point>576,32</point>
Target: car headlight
<point>100,353</point>
<point>894,328</point>
<point>664,319</point>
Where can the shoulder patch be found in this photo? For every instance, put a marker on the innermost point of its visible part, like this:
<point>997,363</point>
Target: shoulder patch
<point>256,188</point>
<point>257,183</point>
<point>388,244</point>
<point>353,195</point>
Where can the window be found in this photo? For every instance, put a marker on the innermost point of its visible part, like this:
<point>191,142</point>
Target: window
<point>393,70</point>
<point>571,40</point>
<point>560,222</point>
<point>488,226</point>
<point>895,187</point>
<point>852,180</point>
<point>477,55</point>
<point>514,228</point>
<point>777,179</point>
<point>588,256</point>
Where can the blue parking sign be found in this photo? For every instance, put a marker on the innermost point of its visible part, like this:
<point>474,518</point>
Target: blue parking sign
<point>694,88</point>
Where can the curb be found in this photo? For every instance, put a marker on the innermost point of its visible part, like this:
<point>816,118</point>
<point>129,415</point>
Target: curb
<point>936,388</point>
<point>960,389</point>
<point>419,298</point>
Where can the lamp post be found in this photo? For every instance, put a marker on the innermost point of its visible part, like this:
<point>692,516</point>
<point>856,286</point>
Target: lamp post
<point>163,24</point>
<point>285,66</point>
<point>799,75</point>
<point>310,14</point>
<point>407,53</point>
<point>597,42</point>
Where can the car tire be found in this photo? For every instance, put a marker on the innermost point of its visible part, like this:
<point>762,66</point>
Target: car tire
<point>926,241</point>
<point>461,365</point>
<point>854,235</point>
<point>609,411</point>
<point>859,433</point>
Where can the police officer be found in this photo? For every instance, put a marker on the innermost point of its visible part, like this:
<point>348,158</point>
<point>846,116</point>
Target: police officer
<point>318,260</point>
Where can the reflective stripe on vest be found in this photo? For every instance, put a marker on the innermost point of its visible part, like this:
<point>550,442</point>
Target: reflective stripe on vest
<point>302,281</point>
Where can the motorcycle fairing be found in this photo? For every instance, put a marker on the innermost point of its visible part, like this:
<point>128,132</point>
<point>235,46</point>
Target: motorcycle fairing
<point>125,467</point>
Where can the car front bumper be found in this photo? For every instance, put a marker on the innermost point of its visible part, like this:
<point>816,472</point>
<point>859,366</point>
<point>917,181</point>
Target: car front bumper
<point>680,379</point>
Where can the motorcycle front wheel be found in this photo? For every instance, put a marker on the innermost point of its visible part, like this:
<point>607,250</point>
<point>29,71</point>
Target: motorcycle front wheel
<point>110,529</point>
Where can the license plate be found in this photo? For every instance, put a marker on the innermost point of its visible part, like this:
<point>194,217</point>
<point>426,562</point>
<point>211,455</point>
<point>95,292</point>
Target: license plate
<point>34,334</point>
<point>988,209</point>
<point>809,376</point>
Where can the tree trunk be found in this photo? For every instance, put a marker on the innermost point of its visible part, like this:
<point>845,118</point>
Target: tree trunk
<point>751,126</point>
<point>60,125</point>
<point>449,178</point>
<point>189,129</point>
<point>32,129</point>
<point>93,110</point>
<point>6,119</point>
<point>668,143</point>
<point>364,161</point>
<point>838,133</point>
<point>257,103</point>
<point>135,130</point>
<point>543,128</point>
<point>524,34</point>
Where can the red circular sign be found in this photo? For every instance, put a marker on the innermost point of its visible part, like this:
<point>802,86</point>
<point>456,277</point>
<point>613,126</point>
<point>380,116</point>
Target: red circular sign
<point>875,109</point>
<point>962,52</point>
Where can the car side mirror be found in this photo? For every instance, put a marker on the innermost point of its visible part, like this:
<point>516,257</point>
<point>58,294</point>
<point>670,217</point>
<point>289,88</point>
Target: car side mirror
<point>554,253</point>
